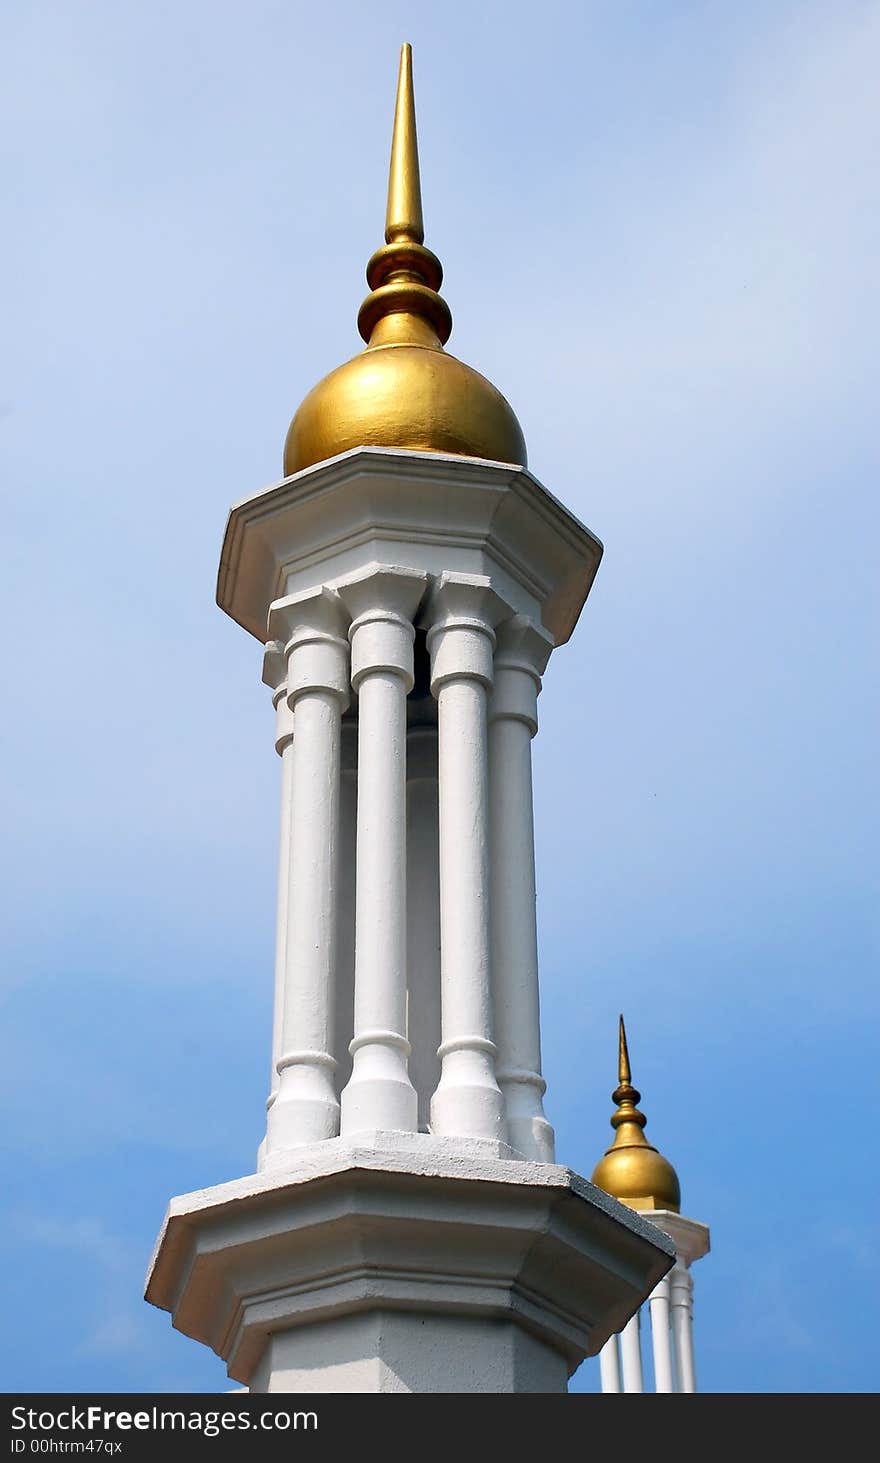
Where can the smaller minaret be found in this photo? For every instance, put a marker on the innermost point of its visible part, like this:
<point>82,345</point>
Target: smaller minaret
<point>633,1171</point>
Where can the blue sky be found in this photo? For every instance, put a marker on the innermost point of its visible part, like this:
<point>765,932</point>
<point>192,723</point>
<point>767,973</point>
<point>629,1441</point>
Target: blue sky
<point>659,226</point>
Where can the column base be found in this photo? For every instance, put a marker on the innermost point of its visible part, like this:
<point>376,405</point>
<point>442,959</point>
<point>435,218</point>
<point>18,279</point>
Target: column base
<point>379,1095</point>
<point>422,1266</point>
<point>305,1110</point>
<point>295,1124</point>
<point>468,1101</point>
<point>395,1104</point>
<point>528,1130</point>
<point>469,1112</point>
<point>533,1137</point>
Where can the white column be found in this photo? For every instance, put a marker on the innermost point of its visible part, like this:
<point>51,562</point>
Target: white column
<point>461,639</point>
<point>661,1336</point>
<point>343,1008</point>
<point>631,1354</point>
<point>306,1108</point>
<point>681,1285</point>
<point>609,1365</point>
<point>379,1094</point>
<point>275,676</point>
<point>423,914</point>
<point>521,655</point>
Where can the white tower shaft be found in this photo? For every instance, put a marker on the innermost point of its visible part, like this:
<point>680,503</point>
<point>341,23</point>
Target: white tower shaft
<point>407,1229</point>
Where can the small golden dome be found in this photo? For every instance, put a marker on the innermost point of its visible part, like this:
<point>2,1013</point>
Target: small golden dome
<point>632,1170</point>
<point>404,390</point>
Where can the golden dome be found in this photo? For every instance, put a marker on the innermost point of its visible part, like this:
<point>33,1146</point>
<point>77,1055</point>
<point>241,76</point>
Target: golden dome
<point>632,1170</point>
<point>404,390</point>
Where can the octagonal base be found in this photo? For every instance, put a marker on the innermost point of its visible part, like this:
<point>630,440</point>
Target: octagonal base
<point>375,1267</point>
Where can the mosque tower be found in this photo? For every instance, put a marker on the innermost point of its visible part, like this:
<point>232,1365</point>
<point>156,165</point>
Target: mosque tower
<point>639,1176</point>
<point>408,1228</point>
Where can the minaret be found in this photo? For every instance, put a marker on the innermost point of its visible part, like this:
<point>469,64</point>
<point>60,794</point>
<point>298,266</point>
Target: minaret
<point>639,1176</point>
<point>407,1229</point>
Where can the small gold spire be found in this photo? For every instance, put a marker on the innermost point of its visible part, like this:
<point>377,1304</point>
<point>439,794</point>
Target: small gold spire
<point>403,218</point>
<point>632,1169</point>
<point>623,1072</point>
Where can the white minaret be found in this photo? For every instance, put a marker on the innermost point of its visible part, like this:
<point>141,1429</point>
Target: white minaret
<point>407,1229</point>
<point>634,1172</point>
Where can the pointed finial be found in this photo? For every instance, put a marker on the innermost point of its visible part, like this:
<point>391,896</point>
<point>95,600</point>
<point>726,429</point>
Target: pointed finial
<point>404,390</point>
<point>623,1072</point>
<point>403,218</point>
<point>404,307</point>
<point>632,1169</point>
<point>625,1095</point>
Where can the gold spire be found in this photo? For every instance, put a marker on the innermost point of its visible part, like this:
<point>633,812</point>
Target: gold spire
<point>403,216</point>
<point>404,277</point>
<point>404,390</point>
<point>624,1075</point>
<point>632,1169</point>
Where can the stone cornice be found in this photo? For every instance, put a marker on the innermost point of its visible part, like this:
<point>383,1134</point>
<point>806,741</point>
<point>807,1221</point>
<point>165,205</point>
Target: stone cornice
<point>324,521</point>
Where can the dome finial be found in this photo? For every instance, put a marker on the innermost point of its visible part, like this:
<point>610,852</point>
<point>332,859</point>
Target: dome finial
<point>404,390</point>
<point>632,1169</point>
<point>623,1072</point>
<point>403,217</point>
<point>404,307</point>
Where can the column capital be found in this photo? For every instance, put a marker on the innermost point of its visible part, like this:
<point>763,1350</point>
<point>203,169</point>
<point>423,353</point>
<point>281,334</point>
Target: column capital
<point>523,645</point>
<point>317,614</point>
<point>460,616</point>
<point>463,600</point>
<point>313,628</point>
<point>382,600</point>
<point>386,590</point>
<point>521,654</point>
<point>690,1237</point>
<point>274,666</point>
<point>275,677</point>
